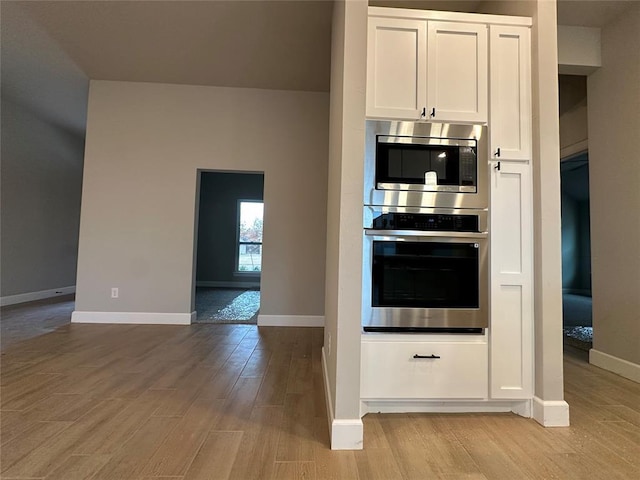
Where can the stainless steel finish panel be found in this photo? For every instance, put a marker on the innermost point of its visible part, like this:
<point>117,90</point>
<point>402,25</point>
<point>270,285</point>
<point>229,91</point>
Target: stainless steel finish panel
<point>371,212</point>
<point>426,188</point>
<point>417,195</point>
<point>456,135</point>
<point>422,233</point>
<point>425,317</point>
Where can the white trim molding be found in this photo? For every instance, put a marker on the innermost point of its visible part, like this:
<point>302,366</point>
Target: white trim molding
<point>136,318</point>
<point>32,296</point>
<point>551,413</point>
<point>622,367</point>
<point>290,320</point>
<point>519,407</point>
<point>346,434</point>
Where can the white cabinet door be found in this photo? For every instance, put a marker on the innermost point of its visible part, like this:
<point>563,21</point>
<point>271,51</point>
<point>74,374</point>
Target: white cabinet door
<point>396,68</point>
<point>511,324</point>
<point>510,92</point>
<point>457,72</point>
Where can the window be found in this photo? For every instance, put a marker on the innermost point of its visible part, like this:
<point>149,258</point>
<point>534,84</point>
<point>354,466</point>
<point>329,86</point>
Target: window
<point>249,236</point>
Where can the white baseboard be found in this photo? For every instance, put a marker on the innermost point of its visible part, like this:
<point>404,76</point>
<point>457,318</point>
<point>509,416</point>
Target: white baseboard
<point>205,283</point>
<point>32,296</point>
<point>139,318</point>
<point>327,389</point>
<point>290,320</point>
<point>622,367</point>
<point>444,406</point>
<point>551,413</point>
<point>346,434</point>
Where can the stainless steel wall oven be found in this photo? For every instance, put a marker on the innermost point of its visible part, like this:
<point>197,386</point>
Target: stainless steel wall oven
<point>425,270</point>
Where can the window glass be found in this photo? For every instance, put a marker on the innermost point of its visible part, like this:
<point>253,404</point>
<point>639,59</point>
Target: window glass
<point>250,236</point>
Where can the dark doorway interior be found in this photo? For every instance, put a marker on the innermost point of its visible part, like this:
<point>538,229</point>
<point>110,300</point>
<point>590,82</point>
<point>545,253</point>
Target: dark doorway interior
<point>576,251</point>
<point>229,254</point>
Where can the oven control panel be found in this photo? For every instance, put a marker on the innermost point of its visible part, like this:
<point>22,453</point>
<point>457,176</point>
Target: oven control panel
<point>426,222</point>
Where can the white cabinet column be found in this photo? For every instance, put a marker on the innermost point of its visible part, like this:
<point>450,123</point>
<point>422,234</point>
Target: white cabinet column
<point>511,327</point>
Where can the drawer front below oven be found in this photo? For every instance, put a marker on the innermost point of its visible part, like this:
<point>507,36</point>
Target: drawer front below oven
<point>427,370</point>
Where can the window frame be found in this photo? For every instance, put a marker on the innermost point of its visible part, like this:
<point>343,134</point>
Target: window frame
<point>237,271</point>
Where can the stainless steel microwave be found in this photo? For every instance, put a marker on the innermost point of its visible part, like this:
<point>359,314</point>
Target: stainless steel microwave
<point>418,164</point>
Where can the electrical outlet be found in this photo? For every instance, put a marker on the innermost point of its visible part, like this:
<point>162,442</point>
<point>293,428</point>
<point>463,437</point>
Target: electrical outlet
<point>114,292</point>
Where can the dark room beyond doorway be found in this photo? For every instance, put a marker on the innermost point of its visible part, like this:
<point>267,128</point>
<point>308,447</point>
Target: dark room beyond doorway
<point>229,252</point>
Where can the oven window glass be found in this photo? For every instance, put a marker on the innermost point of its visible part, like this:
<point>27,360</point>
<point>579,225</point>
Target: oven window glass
<point>425,274</point>
<point>408,163</point>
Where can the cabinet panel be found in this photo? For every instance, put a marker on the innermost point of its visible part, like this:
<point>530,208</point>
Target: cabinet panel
<point>457,72</point>
<point>510,102</point>
<point>396,68</point>
<point>389,370</point>
<point>507,210</point>
<point>511,324</point>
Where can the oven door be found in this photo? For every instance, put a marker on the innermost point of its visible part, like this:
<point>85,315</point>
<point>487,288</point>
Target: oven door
<point>425,281</point>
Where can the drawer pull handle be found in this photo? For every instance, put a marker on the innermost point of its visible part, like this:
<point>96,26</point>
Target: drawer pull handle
<point>426,356</point>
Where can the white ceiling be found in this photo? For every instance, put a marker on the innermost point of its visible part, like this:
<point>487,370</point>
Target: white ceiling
<point>50,49</point>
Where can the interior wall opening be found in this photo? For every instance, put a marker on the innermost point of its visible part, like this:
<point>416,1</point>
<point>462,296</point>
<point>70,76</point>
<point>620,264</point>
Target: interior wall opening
<point>228,262</point>
<point>576,251</point>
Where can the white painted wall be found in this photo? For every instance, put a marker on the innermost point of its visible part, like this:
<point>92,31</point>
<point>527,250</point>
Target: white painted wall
<point>145,143</point>
<point>578,49</point>
<point>344,222</point>
<point>614,175</point>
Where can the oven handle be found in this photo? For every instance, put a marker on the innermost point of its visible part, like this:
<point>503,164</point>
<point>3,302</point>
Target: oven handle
<point>421,233</point>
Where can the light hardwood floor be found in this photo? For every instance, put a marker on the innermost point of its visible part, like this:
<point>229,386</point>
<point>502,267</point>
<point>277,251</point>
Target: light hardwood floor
<point>236,401</point>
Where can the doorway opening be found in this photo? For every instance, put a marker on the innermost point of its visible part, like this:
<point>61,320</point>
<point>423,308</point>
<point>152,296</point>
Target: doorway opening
<point>576,252</point>
<point>228,265</point>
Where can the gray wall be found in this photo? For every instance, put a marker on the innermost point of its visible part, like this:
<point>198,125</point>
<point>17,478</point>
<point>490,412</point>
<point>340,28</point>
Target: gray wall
<point>614,174</point>
<point>145,145</point>
<point>218,224</point>
<point>41,184</point>
<point>572,91</point>
<point>44,101</point>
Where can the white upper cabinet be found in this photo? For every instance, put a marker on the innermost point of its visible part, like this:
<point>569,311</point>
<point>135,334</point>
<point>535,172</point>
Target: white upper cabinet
<point>419,69</point>
<point>396,68</point>
<point>510,97</point>
<point>457,72</point>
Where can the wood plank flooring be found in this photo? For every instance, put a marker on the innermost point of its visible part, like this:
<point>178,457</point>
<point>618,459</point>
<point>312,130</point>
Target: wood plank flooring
<point>241,402</point>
